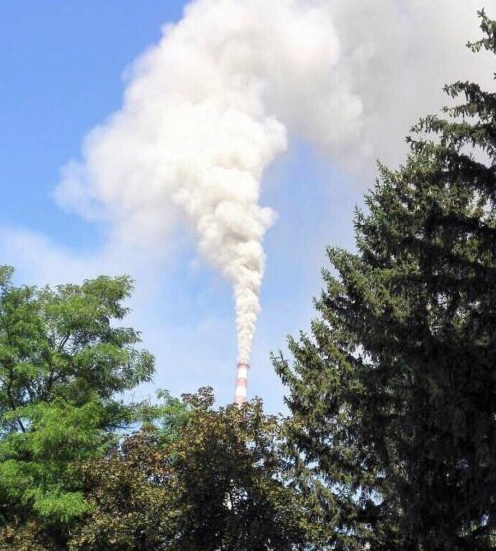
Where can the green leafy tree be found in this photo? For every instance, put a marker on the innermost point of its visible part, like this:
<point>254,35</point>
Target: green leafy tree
<point>220,483</point>
<point>63,360</point>
<point>393,395</point>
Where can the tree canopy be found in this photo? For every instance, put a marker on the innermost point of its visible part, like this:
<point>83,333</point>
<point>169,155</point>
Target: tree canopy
<point>393,395</point>
<point>219,483</point>
<point>63,363</point>
<point>83,469</point>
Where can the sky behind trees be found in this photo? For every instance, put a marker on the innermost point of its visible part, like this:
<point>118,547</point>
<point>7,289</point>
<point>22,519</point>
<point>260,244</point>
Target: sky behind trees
<point>62,74</point>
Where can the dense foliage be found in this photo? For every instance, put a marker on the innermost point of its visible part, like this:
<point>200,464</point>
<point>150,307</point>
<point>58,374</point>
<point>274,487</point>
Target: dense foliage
<point>218,483</point>
<point>394,394</point>
<point>62,362</point>
<point>182,476</point>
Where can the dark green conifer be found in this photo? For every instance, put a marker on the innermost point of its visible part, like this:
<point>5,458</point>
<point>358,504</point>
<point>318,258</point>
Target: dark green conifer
<point>393,396</point>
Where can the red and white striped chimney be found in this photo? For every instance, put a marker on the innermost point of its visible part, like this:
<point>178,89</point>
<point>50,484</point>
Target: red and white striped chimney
<point>241,383</point>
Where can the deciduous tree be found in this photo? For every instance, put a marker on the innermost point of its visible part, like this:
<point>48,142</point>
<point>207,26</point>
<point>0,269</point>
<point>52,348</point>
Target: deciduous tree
<point>220,484</point>
<point>63,363</point>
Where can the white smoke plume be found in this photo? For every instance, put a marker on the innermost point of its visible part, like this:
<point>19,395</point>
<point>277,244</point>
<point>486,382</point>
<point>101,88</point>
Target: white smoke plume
<point>210,107</point>
<point>202,117</point>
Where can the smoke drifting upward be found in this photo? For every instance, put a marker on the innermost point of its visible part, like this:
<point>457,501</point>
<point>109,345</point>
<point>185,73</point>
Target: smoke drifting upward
<point>210,107</point>
<point>204,113</point>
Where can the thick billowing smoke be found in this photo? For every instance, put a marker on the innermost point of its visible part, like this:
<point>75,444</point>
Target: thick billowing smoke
<point>204,113</point>
<point>209,108</point>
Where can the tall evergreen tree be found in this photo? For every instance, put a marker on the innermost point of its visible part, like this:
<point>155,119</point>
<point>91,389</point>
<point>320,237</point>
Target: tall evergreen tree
<point>393,396</point>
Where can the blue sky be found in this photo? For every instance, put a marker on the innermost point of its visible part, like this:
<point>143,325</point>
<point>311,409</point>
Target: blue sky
<point>61,74</point>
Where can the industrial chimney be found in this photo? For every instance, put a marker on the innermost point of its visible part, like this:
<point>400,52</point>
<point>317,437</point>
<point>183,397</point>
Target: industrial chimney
<point>241,383</point>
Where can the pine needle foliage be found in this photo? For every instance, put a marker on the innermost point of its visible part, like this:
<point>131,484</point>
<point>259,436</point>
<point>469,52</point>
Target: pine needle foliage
<point>393,395</point>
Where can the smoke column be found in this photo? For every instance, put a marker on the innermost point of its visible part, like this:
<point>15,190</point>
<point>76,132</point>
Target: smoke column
<point>204,112</point>
<point>208,108</point>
